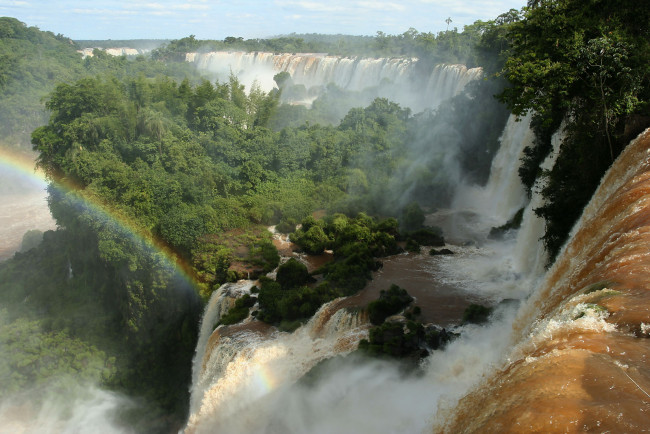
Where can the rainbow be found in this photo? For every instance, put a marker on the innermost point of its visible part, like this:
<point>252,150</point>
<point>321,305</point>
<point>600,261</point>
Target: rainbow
<point>264,379</point>
<point>22,165</point>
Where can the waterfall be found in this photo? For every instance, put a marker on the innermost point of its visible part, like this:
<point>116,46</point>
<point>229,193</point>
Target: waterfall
<point>580,359</point>
<point>334,320</point>
<point>448,80</point>
<point>508,268</point>
<point>529,254</point>
<point>239,366</point>
<point>611,226</point>
<point>246,376</point>
<point>220,301</point>
<point>503,194</point>
<point>399,78</point>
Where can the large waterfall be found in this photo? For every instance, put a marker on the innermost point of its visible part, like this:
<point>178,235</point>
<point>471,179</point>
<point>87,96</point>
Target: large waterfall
<point>400,79</point>
<point>243,367</point>
<point>580,359</point>
<point>503,194</point>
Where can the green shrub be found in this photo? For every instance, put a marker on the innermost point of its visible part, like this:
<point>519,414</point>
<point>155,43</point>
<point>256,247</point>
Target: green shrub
<point>312,240</point>
<point>412,246</point>
<point>286,226</point>
<point>412,217</point>
<point>239,312</point>
<point>392,340</point>
<point>428,236</point>
<point>263,253</point>
<point>292,273</point>
<point>287,305</point>
<point>389,303</point>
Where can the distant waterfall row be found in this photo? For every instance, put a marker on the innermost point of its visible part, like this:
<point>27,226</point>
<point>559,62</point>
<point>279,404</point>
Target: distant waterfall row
<point>400,79</point>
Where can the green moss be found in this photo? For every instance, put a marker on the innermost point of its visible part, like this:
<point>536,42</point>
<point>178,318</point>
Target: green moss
<point>597,286</point>
<point>596,308</point>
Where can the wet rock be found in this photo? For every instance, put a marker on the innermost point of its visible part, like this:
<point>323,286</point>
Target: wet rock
<point>434,252</point>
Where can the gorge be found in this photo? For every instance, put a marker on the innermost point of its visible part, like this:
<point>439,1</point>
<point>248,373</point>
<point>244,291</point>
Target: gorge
<point>226,224</point>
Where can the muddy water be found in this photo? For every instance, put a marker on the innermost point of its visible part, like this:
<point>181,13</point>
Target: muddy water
<point>20,213</point>
<point>580,362</point>
<point>441,304</point>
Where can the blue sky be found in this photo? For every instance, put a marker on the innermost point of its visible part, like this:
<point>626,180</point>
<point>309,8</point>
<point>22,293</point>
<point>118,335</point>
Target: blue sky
<point>216,19</point>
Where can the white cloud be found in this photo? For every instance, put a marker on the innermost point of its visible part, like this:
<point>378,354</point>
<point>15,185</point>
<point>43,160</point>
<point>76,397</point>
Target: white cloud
<point>312,6</point>
<point>191,6</point>
<point>173,6</point>
<point>103,12</point>
<point>381,6</point>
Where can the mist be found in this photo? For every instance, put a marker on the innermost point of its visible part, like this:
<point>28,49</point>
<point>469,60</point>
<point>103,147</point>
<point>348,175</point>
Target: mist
<point>23,208</point>
<point>350,393</point>
<point>81,407</point>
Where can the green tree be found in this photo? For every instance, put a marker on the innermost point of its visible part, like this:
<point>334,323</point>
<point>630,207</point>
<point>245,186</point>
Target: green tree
<point>412,217</point>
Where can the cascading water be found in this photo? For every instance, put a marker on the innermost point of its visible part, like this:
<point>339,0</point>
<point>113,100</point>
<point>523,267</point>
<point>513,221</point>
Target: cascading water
<point>580,360</point>
<point>220,301</point>
<point>530,258</point>
<point>494,268</point>
<point>503,194</point>
<point>399,78</point>
<point>240,367</point>
<point>243,371</point>
<point>510,267</point>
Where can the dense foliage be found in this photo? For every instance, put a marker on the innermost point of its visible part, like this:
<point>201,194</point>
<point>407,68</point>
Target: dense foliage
<point>125,322</point>
<point>356,243</point>
<point>138,44</point>
<point>32,62</point>
<point>33,357</point>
